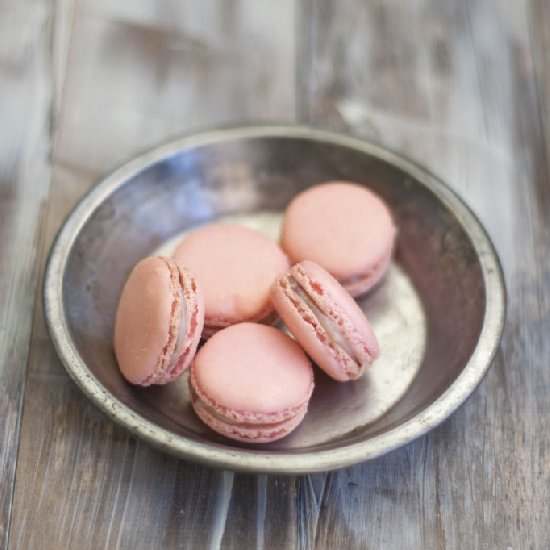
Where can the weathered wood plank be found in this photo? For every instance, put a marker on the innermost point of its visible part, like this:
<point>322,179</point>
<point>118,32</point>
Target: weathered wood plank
<point>452,85</point>
<point>137,73</point>
<point>62,27</point>
<point>539,16</point>
<point>24,184</point>
<point>140,74</point>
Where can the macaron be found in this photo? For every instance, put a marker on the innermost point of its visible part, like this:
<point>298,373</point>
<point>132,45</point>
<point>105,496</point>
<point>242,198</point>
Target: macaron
<point>343,227</point>
<point>236,267</point>
<point>251,383</point>
<point>158,323</point>
<point>325,320</point>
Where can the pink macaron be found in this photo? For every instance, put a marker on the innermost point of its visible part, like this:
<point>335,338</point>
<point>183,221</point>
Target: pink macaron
<point>236,267</point>
<point>345,228</point>
<point>159,321</point>
<point>251,383</point>
<point>325,320</point>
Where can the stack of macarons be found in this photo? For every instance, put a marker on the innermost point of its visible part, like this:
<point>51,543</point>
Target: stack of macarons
<point>228,284</point>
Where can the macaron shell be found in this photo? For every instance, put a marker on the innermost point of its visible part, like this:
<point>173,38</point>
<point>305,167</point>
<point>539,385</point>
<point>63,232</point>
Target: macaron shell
<point>143,318</point>
<point>253,369</point>
<point>344,227</point>
<point>235,266</point>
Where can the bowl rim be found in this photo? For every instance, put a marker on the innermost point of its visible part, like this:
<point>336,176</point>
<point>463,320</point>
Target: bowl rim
<point>259,460</point>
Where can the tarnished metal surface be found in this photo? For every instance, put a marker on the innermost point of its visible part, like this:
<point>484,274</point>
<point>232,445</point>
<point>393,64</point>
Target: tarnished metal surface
<point>439,314</point>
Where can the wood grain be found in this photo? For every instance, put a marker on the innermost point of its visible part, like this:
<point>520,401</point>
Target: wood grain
<point>141,73</point>
<point>135,74</point>
<point>461,87</point>
<point>24,183</point>
<point>539,15</point>
<point>450,85</point>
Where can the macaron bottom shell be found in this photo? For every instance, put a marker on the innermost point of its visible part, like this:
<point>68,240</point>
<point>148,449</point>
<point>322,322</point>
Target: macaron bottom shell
<point>244,431</point>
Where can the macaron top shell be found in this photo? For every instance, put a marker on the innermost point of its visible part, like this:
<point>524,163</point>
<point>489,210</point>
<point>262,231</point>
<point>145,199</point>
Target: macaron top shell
<point>342,226</point>
<point>235,266</point>
<point>142,327</point>
<point>253,369</point>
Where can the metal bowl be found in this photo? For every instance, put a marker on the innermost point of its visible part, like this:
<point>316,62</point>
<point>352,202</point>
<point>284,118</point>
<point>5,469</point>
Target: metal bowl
<point>438,315</point>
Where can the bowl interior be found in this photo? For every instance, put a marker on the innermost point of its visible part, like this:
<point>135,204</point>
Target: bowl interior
<point>428,312</point>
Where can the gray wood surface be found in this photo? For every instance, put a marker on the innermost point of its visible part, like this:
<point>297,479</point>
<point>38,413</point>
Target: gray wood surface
<point>462,87</point>
<point>24,184</point>
<point>452,84</point>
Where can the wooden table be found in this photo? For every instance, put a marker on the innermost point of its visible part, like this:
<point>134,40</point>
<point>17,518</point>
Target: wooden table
<point>460,86</point>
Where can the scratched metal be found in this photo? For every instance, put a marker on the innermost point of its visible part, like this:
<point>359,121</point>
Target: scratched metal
<point>439,314</point>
